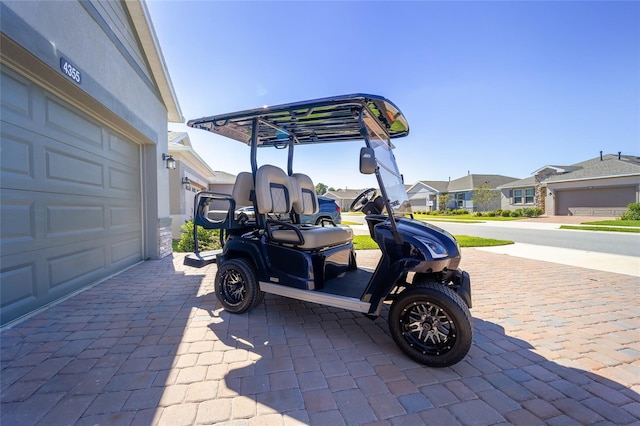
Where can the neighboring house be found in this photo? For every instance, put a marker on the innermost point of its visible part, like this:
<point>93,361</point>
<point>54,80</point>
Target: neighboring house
<point>601,186</point>
<point>84,116</point>
<point>343,197</point>
<point>461,190</point>
<point>191,175</point>
<point>423,195</point>
<point>518,194</point>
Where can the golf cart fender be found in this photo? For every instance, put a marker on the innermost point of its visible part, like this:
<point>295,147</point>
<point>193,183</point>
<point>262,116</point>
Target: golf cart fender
<point>239,248</point>
<point>462,285</point>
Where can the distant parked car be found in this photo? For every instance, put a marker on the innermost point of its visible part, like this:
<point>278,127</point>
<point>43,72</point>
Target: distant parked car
<point>328,209</point>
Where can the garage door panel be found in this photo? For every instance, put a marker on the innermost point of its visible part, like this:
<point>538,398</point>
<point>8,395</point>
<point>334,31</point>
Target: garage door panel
<point>15,98</point>
<point>72,127</point>
<point>65,220</point>
<point>23,285</point>
<point>75,170</point>
<point>77,263</point>
<point>17,220</point>
<point>16,161</point>
<point>126,251</point>
<point>18,284</point>
<point>123,152</point>
<point>123,218</point>
<point>120,180</point>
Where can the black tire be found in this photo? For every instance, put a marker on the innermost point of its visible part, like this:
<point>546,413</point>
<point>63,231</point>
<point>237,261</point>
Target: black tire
<point>259,299</point>
<point>431,324</point>
<point>236,286</point>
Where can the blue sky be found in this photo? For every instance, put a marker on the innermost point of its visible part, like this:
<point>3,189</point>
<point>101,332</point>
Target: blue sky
<point>487,87</point>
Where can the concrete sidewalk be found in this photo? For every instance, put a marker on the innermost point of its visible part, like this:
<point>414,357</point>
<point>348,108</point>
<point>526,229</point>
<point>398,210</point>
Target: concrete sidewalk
<point>619,264</point>
<point>553,344</point>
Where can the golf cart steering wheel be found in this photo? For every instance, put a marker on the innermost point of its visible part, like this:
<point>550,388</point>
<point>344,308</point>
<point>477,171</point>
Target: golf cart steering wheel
<point>362,199</point>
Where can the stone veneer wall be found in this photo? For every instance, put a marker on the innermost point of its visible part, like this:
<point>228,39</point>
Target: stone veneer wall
<point>164,238</point>
<point>540,193</point>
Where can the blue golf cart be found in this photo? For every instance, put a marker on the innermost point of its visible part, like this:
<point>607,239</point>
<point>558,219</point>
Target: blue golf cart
<point>272,251</point>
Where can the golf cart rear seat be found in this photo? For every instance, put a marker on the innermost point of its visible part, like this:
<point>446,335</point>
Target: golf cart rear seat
<point>278,193</point>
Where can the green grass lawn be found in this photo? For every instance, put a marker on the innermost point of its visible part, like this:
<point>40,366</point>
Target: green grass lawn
<point>601,228</point>
<point>607,225</point>
<point>614,222</point>
<point>365,242</point>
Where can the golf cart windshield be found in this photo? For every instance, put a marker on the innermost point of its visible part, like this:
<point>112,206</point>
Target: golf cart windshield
<point>388,171</point>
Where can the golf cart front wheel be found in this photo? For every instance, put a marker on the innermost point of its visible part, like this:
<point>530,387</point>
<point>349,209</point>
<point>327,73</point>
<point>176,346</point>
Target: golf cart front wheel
<point>431,324</point>
<point>236,286</point>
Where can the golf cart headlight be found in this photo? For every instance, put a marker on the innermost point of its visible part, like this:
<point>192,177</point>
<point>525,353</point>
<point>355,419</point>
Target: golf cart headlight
<point>437,250</point>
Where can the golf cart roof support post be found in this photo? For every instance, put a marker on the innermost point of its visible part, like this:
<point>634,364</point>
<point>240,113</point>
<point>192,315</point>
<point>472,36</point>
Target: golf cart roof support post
<point>254,148</point>
<point>260,219</point>
<point>292,142</point>
<point>383,191</point>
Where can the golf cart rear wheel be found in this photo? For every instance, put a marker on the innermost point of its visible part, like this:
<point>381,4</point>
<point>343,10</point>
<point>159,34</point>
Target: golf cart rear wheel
<point>236,286</point>
<point>431,324</point>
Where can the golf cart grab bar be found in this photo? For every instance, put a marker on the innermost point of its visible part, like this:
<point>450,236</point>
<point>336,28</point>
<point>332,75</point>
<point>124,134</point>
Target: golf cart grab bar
<point>200,203</point>
<point>273,223</point>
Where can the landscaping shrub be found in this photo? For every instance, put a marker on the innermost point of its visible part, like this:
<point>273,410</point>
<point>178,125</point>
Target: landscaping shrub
<point>208,239</point>
<point>632,213</point>
<point>514,214</point>
<point>505,213</point>
<point>491,214</point>
<point>478,214</point>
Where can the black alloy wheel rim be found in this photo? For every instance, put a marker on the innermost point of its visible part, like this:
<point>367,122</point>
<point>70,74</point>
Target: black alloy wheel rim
<point>233,288</point>
<point>428,328</point>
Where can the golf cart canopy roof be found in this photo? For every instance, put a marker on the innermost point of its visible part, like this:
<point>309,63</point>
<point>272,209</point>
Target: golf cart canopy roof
<point>315,121</point>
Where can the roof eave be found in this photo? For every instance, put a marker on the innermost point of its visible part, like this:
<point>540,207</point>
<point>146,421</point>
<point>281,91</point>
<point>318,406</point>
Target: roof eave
<point>590,178</point>
<point>556,168</point>
<point>151,47</point>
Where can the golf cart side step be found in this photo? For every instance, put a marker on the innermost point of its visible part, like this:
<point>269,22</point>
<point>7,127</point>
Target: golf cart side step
<point>201,259</point>
<point>349,303</point>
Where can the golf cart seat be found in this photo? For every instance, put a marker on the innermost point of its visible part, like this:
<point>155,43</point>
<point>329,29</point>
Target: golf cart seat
<point>278,193</point>
<point>242,188</point>
<point>241,193</point>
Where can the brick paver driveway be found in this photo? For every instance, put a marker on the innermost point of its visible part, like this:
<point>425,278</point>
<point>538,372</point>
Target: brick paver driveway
<point>552,344</point>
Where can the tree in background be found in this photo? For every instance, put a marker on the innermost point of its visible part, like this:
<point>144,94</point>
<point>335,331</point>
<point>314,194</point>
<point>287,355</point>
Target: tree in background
<point>484,198</point>
<point>443,198</point>
<point>321,188</point>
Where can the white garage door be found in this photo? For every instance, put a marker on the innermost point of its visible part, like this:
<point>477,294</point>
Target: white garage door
<point>608,201</point>
<point>71,198</point>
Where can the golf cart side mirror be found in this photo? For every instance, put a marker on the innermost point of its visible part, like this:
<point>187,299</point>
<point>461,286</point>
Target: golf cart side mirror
<point>367,161</point>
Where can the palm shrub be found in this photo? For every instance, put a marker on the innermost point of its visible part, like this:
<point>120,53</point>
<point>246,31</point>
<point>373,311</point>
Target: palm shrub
<point>208,239</point>
<point>632,213</point>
